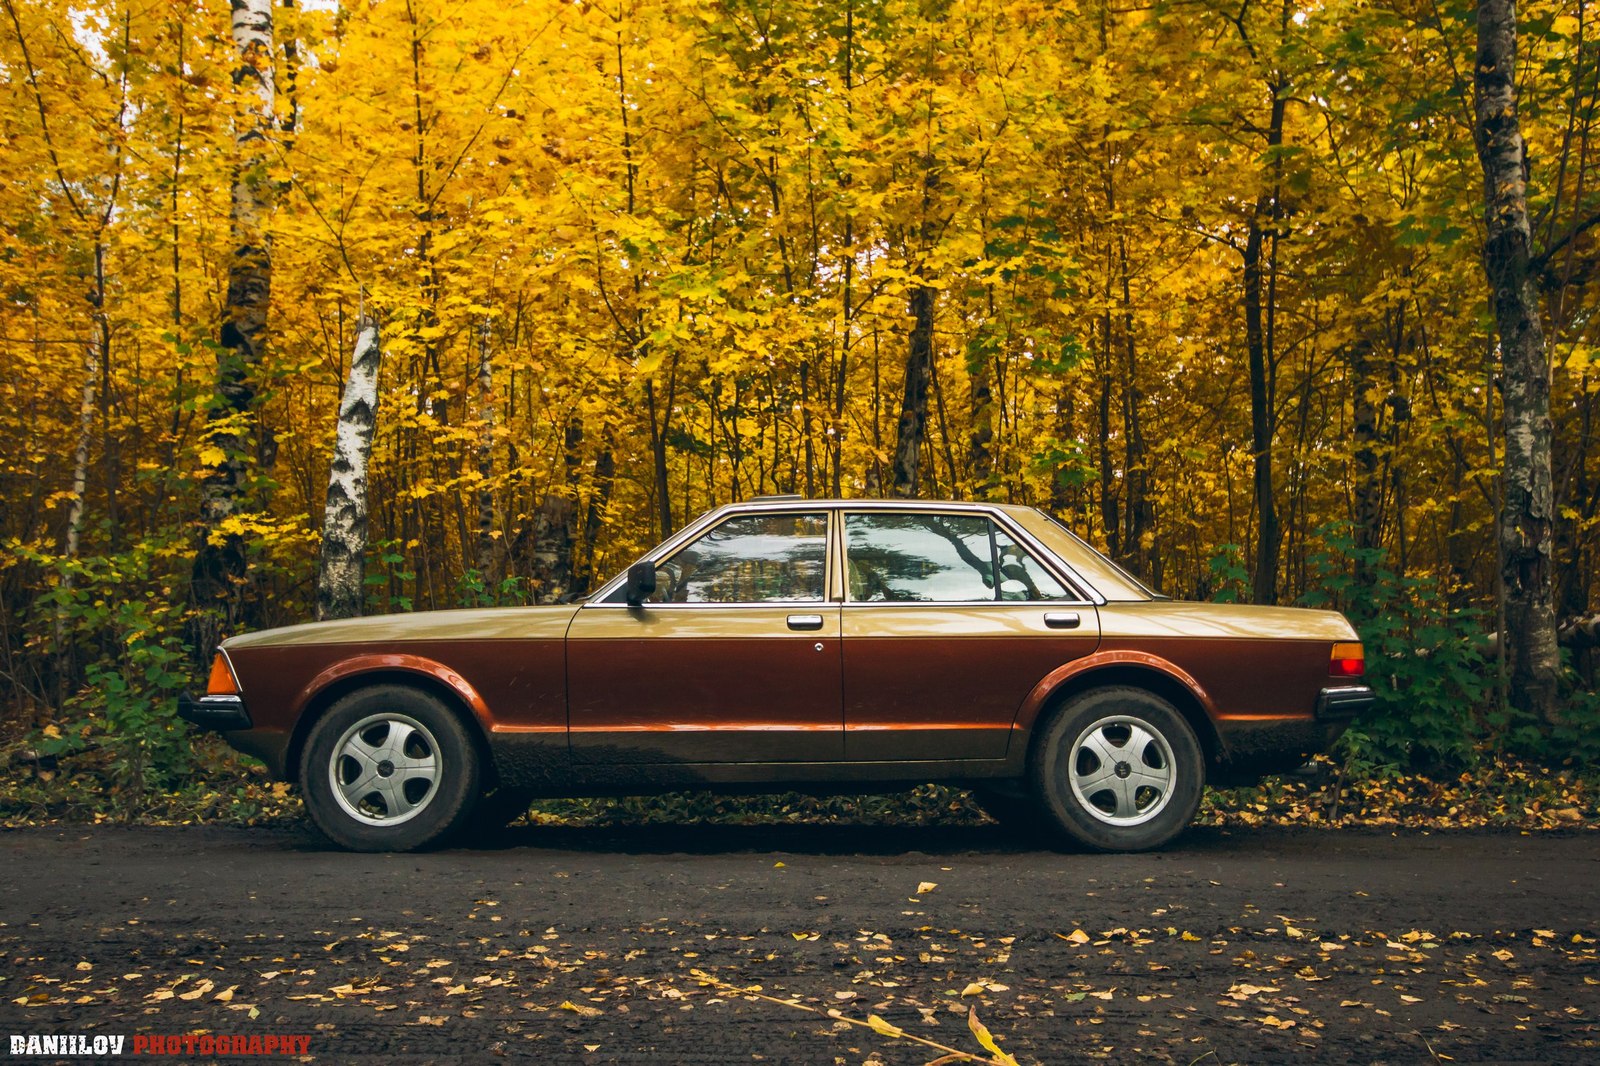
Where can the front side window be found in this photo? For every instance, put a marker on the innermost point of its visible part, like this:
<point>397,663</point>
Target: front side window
<point>931,558</point>
<point>770,558</point>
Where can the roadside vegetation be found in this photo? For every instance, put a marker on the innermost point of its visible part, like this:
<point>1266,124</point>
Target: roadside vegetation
<point>374,308</point>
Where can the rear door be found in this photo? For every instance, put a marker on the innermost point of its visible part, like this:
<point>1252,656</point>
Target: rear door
<point>735,658</point>
<point>949,621</point>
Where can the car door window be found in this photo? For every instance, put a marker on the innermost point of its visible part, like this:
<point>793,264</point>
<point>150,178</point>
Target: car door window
<point>772,558</point>
<point>912,558</point>
<point>1021,575</point>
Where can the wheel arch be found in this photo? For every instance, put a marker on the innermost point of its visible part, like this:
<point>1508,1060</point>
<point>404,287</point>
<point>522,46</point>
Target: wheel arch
<point>439,683</point>
<point>1149,673</point>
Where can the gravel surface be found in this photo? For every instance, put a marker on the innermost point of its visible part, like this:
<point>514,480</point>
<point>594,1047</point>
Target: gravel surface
<point>585,945</point>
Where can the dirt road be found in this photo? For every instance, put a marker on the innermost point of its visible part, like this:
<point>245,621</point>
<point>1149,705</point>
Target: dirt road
<point>561,945</point>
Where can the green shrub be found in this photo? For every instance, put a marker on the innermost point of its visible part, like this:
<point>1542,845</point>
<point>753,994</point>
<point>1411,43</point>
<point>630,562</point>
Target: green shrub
<point>1424,658</point>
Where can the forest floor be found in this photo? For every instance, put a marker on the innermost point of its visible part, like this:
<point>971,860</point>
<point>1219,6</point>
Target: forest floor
<point>649,944</point>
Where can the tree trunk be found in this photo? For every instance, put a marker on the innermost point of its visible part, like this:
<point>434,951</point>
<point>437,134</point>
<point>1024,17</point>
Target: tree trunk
<point>218,578</point>
<point>1368,487</point>
<point>1268,534</point>
<point>605,470</point>
<point>341,581</point>
<point>1139,541</point>
<point>914,406</point>
<point>486,527</point>
<point>1527,513</point>
<point>552,549</point>
<point>658,454</point>
<point>980,441</point>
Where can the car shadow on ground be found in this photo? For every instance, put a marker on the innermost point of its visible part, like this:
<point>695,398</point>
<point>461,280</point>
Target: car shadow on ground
<point>702,839</point>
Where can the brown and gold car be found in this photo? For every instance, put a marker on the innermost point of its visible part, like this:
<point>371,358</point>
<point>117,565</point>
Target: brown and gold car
<point>837,645</point>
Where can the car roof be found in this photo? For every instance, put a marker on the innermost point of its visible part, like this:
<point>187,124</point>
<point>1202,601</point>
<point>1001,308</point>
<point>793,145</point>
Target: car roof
<point>801,503</point>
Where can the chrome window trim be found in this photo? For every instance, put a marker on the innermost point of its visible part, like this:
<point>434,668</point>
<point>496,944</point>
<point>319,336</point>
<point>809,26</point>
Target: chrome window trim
<point>833,580</point>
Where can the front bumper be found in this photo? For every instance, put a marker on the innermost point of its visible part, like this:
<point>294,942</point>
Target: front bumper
<point>1344,702</point>
<point>221,713</point>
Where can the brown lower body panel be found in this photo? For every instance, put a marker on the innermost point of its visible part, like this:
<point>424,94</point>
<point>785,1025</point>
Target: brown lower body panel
<point>544,764</point>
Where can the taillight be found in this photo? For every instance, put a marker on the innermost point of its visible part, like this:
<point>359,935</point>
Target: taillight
<point>1347,660</point>
<point>221,682</point>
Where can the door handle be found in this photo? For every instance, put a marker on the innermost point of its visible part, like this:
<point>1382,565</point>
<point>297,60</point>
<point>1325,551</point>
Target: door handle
<point>805,621</point>
<point>1061,619</point>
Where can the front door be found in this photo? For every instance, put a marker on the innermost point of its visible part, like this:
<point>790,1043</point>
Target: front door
<point>734,658</point>
<point>948,624</point>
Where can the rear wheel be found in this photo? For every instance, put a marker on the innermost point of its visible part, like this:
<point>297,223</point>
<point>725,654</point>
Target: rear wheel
<point>389,768</point>
<point>1118,769</point>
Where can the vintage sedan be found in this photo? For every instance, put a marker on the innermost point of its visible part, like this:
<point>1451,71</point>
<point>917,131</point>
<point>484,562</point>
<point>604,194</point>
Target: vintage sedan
<point>785,643</point>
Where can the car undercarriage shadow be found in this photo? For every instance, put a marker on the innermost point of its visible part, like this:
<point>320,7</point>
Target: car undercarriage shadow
<point>812,839</point>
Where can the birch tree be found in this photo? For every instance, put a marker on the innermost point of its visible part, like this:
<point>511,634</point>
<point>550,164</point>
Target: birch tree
<point>218,577</point>
<point>341,579</point>
<point>1528,508</point>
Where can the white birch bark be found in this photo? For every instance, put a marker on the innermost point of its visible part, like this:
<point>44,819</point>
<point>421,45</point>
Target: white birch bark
<point>1527,516</point>
<point>341,580</point>
<point>218,578</point>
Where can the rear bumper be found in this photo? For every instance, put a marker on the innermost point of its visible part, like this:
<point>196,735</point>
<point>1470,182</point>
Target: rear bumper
<point>1252,749</point>
<point>1344,702</point>
<point>221,713</point>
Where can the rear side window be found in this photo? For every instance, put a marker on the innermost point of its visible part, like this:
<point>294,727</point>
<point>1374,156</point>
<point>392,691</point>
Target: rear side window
<point>1021,575</point>
<point>776,558</point>
<point>933,558</point>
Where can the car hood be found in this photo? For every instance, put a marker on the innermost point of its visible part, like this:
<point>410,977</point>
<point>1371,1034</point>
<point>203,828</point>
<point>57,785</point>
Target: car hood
<point>484,623</point>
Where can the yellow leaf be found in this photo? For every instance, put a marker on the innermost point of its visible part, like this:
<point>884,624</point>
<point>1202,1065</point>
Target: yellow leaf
<point>1077,936</point>
<point>580,1009</point>
<point>926,886</point>
<point>883,1028</point>
<point>211,455</point>
<point>973,989</point>
<point>198,990</point>
<point>984,1037</point>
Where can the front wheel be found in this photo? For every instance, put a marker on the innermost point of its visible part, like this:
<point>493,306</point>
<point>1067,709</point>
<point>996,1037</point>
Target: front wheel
<point>1118,769</point>
<point>389,768</point>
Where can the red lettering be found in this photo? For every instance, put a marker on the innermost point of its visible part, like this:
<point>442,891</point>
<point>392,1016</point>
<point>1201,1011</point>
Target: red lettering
<point>269,1045</point>
<point>140,1043</point>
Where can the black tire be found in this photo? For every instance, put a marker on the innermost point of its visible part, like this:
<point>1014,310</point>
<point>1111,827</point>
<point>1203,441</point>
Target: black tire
<point>1118,769</point>
<point>415,754</point>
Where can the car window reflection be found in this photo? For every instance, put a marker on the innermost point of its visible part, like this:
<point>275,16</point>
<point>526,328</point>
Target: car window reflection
<point>919,558</point>
<point>778,558</point>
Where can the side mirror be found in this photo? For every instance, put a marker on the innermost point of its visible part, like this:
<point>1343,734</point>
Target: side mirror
<point>641,583</point>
